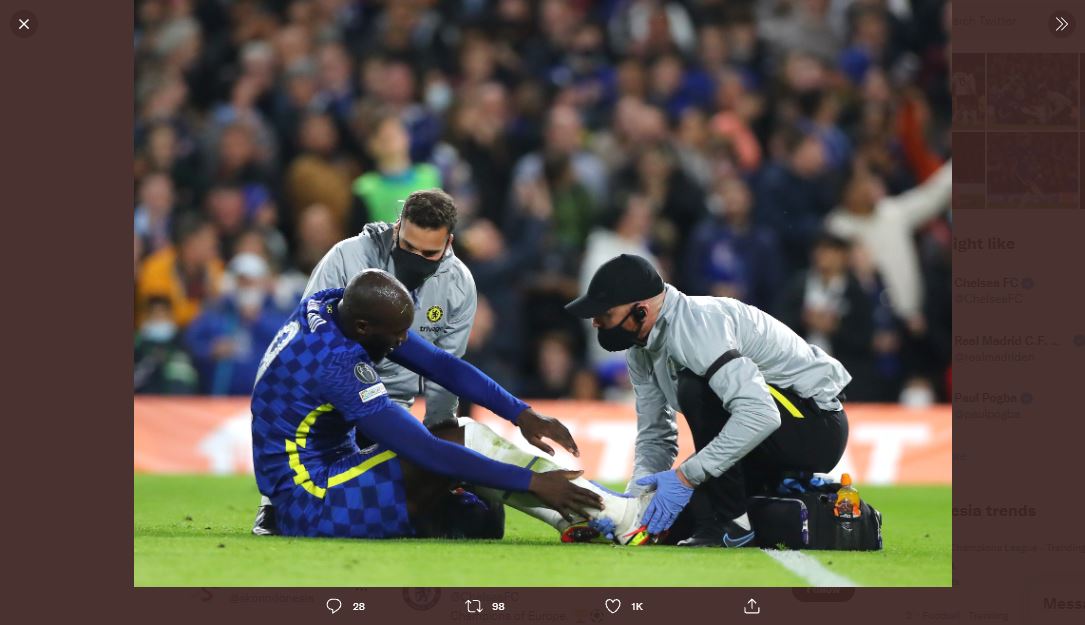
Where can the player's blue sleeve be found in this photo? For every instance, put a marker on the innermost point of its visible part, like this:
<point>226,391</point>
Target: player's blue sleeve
<point>456,375</point>
<point>366,405</point>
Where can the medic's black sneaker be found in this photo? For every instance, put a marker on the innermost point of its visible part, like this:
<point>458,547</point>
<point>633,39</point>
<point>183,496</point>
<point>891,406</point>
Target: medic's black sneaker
<point>729,534</point>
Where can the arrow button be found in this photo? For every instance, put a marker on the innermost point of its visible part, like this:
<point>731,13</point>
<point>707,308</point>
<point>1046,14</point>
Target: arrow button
<point>1061,23</point>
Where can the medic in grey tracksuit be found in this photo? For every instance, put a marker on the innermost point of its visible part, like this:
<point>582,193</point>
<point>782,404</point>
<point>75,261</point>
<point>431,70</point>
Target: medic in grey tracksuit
<point>760,402</point>
<point>444,310</point>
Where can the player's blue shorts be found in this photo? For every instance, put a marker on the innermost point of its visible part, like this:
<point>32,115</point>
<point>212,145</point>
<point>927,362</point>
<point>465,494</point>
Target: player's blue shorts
<point>358,496</point>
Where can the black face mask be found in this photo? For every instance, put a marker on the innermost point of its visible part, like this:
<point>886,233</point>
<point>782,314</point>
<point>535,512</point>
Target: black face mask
<point>618,338</point>
<point>412,269</point>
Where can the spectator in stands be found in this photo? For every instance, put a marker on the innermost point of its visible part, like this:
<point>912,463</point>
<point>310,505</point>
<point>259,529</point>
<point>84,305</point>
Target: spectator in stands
<point>289,124</point>
<point>886,225</point>
<point>888,365</point>
<point>587,74</point>
<point>161,365</point>
<point>186,273</point>
<point>731,256</point>
<point>335,83</point>
<point>164,153</point>
<point>481,133</point>
<point>564,140</point>
<point>227,339</point>
<point>556,373</point>
<point>154,214</point>
<point>227,211</point>
<point>674,89</point>
<point>379,194</point>
<point>297,97</point>
<point>563,210</point>
<point>731,127</point>
<point>870,43</point>
<point>693,146</point>
<point>399,95</point>
<point>572,205</point>
<point>320,174</point>
<point>318,232</point>
<point>678,203</point>
<point>826,306</point>
<point>800,25</point>
<point>793,195</point>
<point>644,28</point>
<point>634,125</point>
<point>238,160</point>
<point>499,266</point>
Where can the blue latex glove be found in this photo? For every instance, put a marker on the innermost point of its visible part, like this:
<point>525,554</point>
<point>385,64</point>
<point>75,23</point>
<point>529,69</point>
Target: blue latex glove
<point>791,486</point>
<point>670,498</point>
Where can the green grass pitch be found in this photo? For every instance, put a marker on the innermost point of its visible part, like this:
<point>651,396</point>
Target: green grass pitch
<point>194,531</point>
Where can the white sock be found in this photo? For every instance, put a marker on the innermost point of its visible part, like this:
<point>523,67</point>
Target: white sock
<point>743,521</point>
<point>485,441</point>
<point>264,501</point>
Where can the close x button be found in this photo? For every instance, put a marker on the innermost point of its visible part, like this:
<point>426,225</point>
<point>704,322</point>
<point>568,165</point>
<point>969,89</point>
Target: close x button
<point>24,24</point>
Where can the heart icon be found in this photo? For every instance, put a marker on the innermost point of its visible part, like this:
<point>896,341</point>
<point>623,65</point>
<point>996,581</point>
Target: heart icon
<point>613,605</point>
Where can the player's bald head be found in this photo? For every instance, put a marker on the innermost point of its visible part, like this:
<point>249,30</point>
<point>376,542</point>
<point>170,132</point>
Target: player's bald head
<point>376,311</point>
<point>376,296</point>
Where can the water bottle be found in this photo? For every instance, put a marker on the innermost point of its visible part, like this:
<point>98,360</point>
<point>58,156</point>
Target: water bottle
<point>847,500</point>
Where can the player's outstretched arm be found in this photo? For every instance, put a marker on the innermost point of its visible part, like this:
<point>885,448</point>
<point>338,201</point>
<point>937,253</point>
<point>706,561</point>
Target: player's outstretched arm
<point>399,431</point>
<point>395,428</point>
<point>366,405</point>
<point>465,380</point>
<point>456,375</point>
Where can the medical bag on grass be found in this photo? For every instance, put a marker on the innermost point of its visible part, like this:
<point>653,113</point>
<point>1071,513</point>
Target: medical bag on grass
<point>807,521</point>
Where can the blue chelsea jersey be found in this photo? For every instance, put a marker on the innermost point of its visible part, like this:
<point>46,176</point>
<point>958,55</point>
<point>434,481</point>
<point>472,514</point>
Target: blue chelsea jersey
<point>307,370</point>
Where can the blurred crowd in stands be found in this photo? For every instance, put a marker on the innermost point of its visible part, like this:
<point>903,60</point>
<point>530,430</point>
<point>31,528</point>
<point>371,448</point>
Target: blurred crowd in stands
<point>788,153</point>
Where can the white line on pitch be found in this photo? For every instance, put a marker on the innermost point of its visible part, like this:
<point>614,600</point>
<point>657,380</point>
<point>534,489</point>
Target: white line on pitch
<point>808,568</point>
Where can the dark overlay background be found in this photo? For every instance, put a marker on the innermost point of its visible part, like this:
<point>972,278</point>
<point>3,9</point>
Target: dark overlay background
<point>65,146</point>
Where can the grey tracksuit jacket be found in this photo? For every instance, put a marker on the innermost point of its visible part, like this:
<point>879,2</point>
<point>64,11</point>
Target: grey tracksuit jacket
<point>693,333</point>
<point>444,310</point>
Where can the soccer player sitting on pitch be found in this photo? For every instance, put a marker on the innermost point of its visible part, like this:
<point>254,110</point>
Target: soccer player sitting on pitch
<point>759,401</point>
<point>317,384</point>
<point>417,250</point>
